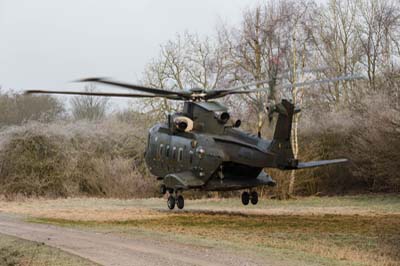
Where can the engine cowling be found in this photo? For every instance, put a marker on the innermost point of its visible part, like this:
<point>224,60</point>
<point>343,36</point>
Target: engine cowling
<point>223,117</point>
<point>183,123</point>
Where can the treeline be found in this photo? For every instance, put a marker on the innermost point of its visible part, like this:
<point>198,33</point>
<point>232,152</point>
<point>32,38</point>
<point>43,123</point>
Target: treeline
<point>49,149</point>
<point>46,151</point>
<point>290,42</point>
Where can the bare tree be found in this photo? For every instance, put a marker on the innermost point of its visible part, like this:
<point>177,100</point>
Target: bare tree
<point>183,63</point>
<point>259,48</point>
<point>378,31</point>
<point>16,108</point>
<point>332,30</point>
<point>297,65</point>
<point>268,45</point>
<point>89,107</point>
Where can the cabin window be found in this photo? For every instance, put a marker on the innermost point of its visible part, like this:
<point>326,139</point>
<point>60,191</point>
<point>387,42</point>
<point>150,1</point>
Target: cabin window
<point>180,154</point>
<point>174,153</point>
<point>167,151</point>
<point>191,156</point>
<point>161,150</point>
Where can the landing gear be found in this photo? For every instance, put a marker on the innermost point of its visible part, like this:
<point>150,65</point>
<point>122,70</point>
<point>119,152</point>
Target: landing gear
<point>245,198</point>
<point>254,197</point>
<point>175,199</point>
<point>171,202</point>
<point>250,197</point>
<point>163,189</point>
<point>180,202</point>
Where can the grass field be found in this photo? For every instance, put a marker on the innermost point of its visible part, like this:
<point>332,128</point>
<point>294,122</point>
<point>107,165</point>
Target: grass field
<point>18,252</point>
<point>352,230</point>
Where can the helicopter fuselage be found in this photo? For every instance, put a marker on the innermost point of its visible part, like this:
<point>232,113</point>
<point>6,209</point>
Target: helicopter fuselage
<point>218,157</point>
<point>234,161</point>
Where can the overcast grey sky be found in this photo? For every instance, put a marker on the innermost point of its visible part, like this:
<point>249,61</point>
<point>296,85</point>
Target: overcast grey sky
<point>47,43</point>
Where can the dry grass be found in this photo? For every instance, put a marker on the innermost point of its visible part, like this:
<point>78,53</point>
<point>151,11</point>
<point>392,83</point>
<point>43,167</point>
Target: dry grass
<point>83,209</point>
<point>101,209</point>
<point>359,229</point>
<point>18,252</point>
<point>369,240</point>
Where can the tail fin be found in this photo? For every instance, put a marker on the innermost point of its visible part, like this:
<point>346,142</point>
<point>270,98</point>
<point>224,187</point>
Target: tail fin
<point>281,144</point>
<point>283,128</point>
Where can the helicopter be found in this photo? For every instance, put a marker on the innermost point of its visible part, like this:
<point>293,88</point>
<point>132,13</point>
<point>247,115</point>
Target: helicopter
<point>200,148</point>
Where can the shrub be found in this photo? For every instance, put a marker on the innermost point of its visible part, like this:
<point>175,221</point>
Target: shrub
<point>368,135</point>
<point>68,159</point>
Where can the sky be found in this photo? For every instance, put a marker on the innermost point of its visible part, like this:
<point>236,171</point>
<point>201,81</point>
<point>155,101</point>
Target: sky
<point>46,44</point>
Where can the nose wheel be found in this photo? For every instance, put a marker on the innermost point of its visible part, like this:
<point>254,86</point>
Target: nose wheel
<point>177,200</point>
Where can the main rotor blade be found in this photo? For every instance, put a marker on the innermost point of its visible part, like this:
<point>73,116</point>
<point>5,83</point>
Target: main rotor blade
<point>245,85</point>
<point>133,87</point>
<point>103,94</point>
<point>222,93</point>
<point>285,74</point>
<point>218,93</point>
<point>306,83</point>
<point>322,81</point>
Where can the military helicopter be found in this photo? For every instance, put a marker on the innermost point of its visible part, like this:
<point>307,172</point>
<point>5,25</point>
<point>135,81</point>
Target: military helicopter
<point>201,148</point>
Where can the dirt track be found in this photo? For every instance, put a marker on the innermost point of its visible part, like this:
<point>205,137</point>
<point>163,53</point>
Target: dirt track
<point>306,231</point>
<point>113,250</point>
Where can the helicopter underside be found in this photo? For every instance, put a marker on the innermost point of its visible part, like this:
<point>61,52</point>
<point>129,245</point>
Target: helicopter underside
<point>229,183</point>
<point>235,176</point>
<point>230,176</point>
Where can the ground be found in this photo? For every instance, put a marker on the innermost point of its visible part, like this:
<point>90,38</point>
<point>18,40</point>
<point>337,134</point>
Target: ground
<point>18,252</point>
<point>351,230</point>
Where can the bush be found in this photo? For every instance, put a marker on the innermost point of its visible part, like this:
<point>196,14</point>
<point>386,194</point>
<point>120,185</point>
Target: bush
<point>368,135</point>
<point>70,159</point>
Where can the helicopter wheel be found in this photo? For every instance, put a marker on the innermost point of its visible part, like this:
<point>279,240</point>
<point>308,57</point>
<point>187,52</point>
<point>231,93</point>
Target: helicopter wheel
<point>180,202</point>
<point>163,189</point>
<point>254,197</point>
<point>171,202</point>
<point>245,198</point>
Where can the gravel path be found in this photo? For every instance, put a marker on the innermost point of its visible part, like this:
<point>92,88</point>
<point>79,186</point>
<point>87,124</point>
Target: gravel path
<point>108,249</point>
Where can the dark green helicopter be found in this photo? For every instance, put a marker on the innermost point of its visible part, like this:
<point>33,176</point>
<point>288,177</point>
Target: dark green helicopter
<point>199,148</point>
